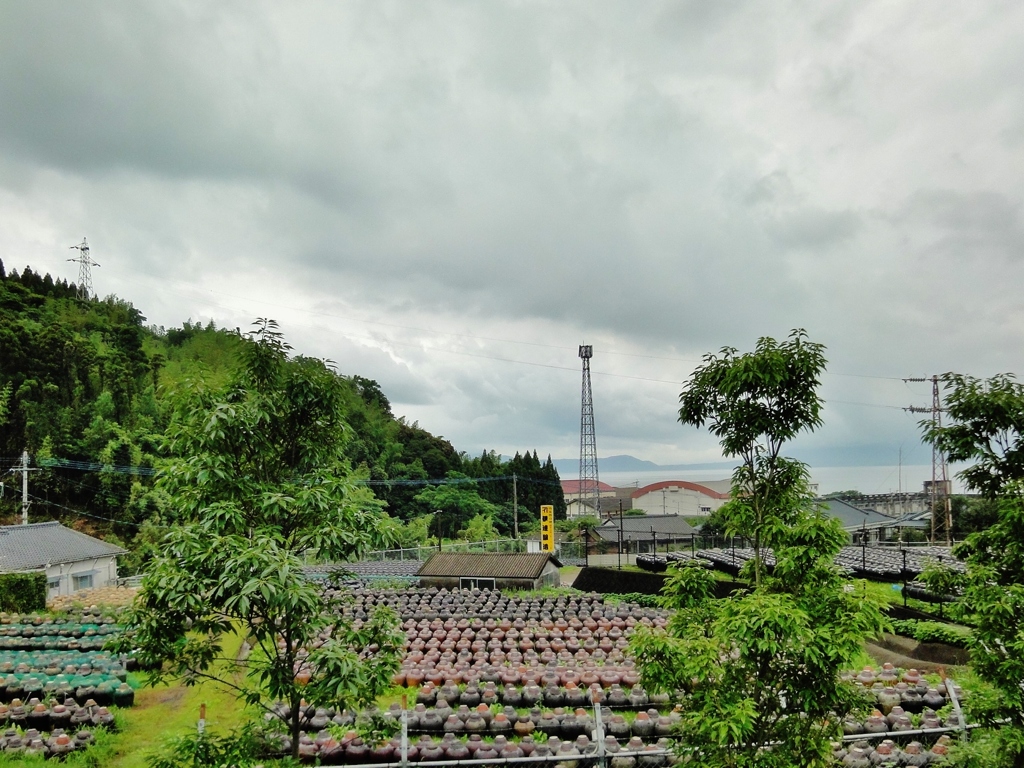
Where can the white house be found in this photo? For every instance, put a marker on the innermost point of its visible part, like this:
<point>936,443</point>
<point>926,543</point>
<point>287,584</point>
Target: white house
<point>680,497</point>
<point>575,506</point>
<point>71,560</point>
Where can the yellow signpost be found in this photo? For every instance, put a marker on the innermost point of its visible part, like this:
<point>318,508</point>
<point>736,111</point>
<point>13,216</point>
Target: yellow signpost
<point>547,528</point>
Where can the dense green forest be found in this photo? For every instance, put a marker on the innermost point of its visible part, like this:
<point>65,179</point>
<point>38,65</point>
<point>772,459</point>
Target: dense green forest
<point>85,388</point>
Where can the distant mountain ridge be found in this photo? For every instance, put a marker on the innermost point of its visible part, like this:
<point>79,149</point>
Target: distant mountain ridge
<point>627,463</point>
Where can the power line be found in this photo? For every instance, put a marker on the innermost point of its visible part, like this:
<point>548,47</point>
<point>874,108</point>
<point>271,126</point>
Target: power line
<point>92,466</point>
<point>48,503</point>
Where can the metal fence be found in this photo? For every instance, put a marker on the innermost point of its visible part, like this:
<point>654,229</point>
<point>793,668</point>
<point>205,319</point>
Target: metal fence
<point>422,553</point>
<point>568,552</point>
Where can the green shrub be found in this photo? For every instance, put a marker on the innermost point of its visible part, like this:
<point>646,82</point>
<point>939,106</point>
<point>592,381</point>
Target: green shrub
<point>933,632</point>
<point>22,592</point>
<point>644,601</point>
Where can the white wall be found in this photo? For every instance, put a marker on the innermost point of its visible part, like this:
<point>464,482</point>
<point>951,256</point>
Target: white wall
<point>676,501</point>
<point>103,570</point>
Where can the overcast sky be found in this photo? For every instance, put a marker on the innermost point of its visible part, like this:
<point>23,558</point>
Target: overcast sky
<point>451,197</point>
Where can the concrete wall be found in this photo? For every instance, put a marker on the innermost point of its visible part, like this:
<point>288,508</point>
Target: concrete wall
<point>610,561</point>
<point>102,569</point>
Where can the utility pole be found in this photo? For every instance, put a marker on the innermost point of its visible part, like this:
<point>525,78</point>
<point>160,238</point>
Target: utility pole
<point>25,469</point>
<point>85,265</point>
<point>515,507</point>
<point>620,535</point>
<point>942,508</point>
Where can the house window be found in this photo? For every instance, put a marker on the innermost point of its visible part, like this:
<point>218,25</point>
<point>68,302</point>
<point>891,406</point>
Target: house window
<point>469,583</point>
<point>83,581</point>
<point>53,582</point>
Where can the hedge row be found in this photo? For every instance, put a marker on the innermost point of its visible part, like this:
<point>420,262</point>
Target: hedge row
<point>22,592</point>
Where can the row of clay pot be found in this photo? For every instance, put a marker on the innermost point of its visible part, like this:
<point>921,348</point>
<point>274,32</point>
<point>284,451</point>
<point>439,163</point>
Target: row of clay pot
<point>487,627</point>
<point>888,675</point>
<point>106,693</point>
<point>57,630</point>
<point>56,744</point>
<point>69,715</point>
<point>327,750</point>
<point>560,722</point>
<point>898,720</point>
<point>11,644</point>
<point>431,657</point>
<point>69,664</point>
<point>533,695</point>
<point>914,700</point>
<point>420,671</point>
<point>865,754</point>
<point>534,633</point>
<point>83,616</point>
<point>469,606</point>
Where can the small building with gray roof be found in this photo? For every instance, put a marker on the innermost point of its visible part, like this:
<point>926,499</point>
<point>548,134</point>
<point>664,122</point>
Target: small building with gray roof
<point>71,560</point>
<point>490,570</point>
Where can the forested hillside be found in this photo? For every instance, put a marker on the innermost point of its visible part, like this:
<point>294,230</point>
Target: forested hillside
<point>85,388</point>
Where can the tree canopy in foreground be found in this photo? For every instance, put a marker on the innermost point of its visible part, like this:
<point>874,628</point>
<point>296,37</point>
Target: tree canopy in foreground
<point>261,485</point>
<point>757,674</point>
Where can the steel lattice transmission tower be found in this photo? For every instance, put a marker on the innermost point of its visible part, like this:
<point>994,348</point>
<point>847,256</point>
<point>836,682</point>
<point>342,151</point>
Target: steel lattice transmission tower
<point>590,489</point>
<point>942,507</point>
<point>85,265</point>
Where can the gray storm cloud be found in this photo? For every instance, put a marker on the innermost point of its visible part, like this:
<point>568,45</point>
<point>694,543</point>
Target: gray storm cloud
<point>449,197</point>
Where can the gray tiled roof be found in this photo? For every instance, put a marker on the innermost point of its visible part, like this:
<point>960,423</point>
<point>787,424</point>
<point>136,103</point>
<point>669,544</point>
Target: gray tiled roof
<point>28,547</point>
<point>854,517</point>
<point>638,527</point>
<point>491,565</point>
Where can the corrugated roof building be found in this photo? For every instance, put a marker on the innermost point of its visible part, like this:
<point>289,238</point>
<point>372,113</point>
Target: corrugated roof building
<point>71,560</point>
<point>492,570</point>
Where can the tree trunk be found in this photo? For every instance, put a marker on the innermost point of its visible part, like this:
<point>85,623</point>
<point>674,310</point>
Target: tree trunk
<point>757,557</point>
<point>296,713</point>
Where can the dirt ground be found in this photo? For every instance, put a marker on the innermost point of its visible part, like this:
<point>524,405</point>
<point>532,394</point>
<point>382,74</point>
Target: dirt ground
<point>569,574</point>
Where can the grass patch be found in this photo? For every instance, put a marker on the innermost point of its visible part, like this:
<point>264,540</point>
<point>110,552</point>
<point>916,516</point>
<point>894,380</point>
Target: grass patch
<point>161,712</point>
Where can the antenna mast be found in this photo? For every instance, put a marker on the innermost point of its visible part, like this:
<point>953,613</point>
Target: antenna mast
<point>590,488</point>
<point>942,507</point>
<point>85,265</point>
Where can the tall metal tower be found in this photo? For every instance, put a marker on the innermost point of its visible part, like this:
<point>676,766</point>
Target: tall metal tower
<point>942,507</point>
<point>590,490</point>
<point>85,265</point>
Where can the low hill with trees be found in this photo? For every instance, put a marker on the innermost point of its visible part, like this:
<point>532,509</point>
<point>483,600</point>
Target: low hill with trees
<point>85,388</point>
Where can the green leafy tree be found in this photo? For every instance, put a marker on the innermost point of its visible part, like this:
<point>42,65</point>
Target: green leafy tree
<point>479,528</point>
<point>757,673</point>
<point>985,420</point>
<point>754,403</point>
<point>454,504</point>
<point>257,484</point>
<point>415,532</point>
<point>763,668</point>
